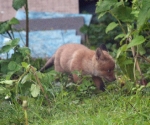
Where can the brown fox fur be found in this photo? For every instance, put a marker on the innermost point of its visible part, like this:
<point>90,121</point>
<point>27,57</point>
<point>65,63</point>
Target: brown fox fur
<point>76,57</point>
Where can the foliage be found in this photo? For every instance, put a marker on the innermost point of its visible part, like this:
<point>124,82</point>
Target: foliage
<point>17,4</point>
<point>96,35</point>
<point>134,23</point>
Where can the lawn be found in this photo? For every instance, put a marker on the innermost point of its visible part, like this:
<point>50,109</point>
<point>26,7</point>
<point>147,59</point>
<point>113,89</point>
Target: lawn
<point>72,104</point>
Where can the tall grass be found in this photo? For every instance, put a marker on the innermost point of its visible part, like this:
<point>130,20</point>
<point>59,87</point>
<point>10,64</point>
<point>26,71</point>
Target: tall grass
<point>74,105</point>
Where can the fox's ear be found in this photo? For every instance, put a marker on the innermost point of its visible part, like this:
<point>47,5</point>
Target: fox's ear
<point>103,47</point>
<point>99,54</point>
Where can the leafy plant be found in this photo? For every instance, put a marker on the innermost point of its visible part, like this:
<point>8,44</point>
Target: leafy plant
<point>96,35</point>
<point>17,4</point>
<point>133,38</point>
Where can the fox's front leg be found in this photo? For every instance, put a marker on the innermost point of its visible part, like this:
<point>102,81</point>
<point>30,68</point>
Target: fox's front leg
<point>76,78</point>
<point>99,83</point>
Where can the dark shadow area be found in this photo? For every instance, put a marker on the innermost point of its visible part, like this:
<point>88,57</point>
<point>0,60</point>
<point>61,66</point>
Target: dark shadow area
<point>87,6</point>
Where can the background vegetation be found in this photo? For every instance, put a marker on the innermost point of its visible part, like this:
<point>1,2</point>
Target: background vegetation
<point>30,97</point>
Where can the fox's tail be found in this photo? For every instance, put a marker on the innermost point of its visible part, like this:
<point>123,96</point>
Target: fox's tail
<point>48,64</point>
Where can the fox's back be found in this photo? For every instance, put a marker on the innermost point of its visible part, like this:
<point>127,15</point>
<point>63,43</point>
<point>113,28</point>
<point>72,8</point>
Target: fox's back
<point>68,54</point>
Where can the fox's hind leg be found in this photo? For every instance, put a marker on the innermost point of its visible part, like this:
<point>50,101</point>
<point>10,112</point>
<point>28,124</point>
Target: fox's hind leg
<point>99,83</point>
<point>57,65</point>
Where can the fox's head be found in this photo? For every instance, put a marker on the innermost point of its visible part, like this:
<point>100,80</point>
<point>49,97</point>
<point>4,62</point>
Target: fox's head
<point>104,64</point>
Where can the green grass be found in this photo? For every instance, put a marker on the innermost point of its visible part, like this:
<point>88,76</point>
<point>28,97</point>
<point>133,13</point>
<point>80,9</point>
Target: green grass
<point>71,106</point>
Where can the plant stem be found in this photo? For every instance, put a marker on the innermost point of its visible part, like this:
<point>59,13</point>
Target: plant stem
<point>27,24</point>
<point>25,106</point>
<point>40,84</point>
<point>118,22</point>
<point>20,78</point>
<point>9,35</point>
<point>26,117</point>
<point>136,63</point>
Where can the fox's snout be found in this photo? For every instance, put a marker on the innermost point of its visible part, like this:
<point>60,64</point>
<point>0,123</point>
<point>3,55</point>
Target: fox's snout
<point>111,79</point>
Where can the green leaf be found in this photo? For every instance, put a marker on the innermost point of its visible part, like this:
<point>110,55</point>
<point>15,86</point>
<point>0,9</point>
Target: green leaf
<point>25,65</point>
<point>24,51</point>
<point>26,78</point>
<point>127,62</point>
<point>141,50</point>
<point>17,4</point>
<point>15,42</point>
<point>13,21</point>
<point>2,90</point>
<point>136,41</point>
<point>144,13</point>
<point>148,84</point>
<point>147,44</point>
<point>121,49</point>
<point>5,49</point>
<point>123,13</point>
<point>105,5</point>
<point>101,14</point>
<point>120,36</point>
<point>9,45</point>
<point>8,82</point>
<point>13,66</point>
<point>35,90</point>
<point>39,75</point>
<point>9,74</point>
<point>4,26</point>
<point>111,26</point>
<point>84,29</point>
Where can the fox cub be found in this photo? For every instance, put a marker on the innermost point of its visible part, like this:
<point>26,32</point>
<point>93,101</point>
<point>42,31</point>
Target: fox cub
<point>76,57</point>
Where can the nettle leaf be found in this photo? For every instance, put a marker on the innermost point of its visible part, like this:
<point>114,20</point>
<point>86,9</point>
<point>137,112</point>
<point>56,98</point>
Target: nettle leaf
<point>111,26</point>
<point>9,45</point>
<point>17,4</point>
<point>144,13</point>
<point>13,21</point>
<point>2,90</point>
<point>105,5</point>
<point>15,42</point>
<point>127,62</point>
<point>84,29</point>
<point>14,66</point>
<point>26,78</point>
<point>4,26</point>
<point>121,49</point>
<point>35,90</point>
<point>148,84</point>
<point>120,36</point>
<point>147,44</point>
<point>39,74</point>
<point>141,50</point>
<point>25,65</point>
<point>136,41</point>
<point>8,82</point>
<point>123,13</point>
<point>9,74</point>
<point>101,14</point>
<point>24,51</point>
<point>5,49</point>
